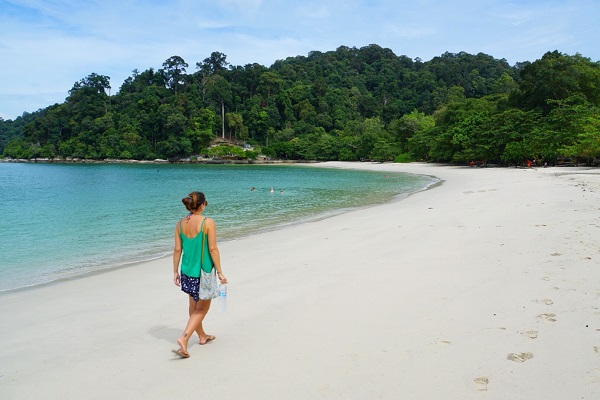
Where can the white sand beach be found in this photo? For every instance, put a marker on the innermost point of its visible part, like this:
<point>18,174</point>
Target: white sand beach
<point>485,286</point>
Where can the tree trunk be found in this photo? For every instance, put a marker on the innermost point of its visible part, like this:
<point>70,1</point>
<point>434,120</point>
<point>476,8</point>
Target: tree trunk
<point>223,118</point>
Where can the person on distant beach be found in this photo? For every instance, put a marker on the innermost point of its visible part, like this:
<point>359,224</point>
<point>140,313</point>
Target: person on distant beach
<point>190,233</point>
<point>271,190</point>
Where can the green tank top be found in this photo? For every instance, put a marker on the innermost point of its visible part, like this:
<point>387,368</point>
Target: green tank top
<point>193,249</point>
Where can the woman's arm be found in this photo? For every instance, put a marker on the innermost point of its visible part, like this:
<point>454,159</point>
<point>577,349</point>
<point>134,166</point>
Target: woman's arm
<point>215,256</point>
<point>176,256</point>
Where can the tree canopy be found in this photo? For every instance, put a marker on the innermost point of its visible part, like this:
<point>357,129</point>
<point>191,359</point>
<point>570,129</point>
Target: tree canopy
<point>347,104</point>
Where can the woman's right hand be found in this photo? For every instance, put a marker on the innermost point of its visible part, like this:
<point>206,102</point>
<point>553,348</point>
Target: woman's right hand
<point>222,278</point>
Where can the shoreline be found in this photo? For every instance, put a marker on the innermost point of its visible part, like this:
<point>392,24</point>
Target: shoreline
<point>105,267</point>
<point>484,285</point>
<point>157,161</point>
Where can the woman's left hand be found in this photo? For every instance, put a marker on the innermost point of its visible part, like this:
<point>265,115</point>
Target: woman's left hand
<point>176,279</point>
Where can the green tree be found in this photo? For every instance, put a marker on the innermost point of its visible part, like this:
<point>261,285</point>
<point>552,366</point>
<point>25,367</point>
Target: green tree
<point>174,72</point>
<point>216,63</point>
<point>557,76</point>
<point>226,151</point>
<point>89,97</point>
<point>271,83</point>
<point>174,147</point>
<point>571,129</point>
<point>409,125</point>
<point>372,132</point>
<point>219,90</point>
<point>235,122</point>
<point>201,132</point>
<point>516,152</point>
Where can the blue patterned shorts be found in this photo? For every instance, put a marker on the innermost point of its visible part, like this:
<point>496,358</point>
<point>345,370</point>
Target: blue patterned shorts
<point>190,286</point>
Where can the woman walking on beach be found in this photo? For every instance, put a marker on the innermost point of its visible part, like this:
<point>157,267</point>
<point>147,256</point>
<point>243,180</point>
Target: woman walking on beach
<point>197,252</point>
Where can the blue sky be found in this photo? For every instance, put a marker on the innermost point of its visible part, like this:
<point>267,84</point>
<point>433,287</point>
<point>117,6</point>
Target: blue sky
<point>47,46</point>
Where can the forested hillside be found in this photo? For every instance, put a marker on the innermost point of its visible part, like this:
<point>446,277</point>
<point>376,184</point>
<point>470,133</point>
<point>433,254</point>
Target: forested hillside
<point>347,104</point>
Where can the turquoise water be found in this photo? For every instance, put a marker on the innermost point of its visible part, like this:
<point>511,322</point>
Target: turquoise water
<point>62,220</point>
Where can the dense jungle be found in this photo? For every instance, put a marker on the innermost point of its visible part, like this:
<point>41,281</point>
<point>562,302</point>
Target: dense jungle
<point>349,104</point>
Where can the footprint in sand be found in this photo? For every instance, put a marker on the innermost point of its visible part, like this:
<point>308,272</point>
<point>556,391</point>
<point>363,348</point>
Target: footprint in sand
<point>594,375</point>
<point>545,301</point>
<point>548,317</point>
<point>533,334</point>
<point>500,328</point>
<point>441,343</point>
<point>482,383</point>
<point>519,357</point>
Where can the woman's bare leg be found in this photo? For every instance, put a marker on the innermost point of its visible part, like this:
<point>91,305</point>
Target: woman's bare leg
<point>197,314</point>
<point>204,306</point>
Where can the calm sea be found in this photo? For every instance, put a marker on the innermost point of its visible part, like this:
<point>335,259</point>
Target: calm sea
<point>62,220</point>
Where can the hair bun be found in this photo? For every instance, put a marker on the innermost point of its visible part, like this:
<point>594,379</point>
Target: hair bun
<point>194,201</point>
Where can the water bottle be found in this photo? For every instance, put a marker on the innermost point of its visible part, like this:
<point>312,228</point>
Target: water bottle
<point>222,299</point>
